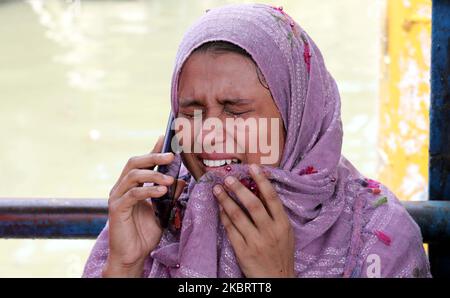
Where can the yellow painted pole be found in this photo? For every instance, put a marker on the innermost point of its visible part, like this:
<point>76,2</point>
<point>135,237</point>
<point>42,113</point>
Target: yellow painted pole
<point>405,99</point>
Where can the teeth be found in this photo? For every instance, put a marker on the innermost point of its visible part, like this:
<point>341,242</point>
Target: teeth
<point>219,163</point>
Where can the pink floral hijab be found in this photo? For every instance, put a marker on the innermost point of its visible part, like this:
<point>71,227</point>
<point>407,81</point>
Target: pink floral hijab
<point>345,224</point>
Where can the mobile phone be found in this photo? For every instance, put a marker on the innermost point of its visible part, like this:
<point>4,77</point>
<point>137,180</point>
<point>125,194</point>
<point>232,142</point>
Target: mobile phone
<point>164,204</point>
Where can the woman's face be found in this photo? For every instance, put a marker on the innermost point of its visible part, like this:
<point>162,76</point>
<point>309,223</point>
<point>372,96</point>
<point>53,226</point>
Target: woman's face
<point>226,86</point>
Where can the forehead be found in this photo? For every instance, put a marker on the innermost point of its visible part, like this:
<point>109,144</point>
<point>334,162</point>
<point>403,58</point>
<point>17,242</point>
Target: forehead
<point>217,71</point>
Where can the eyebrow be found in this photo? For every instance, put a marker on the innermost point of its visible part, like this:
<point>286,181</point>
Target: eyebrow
<point>235,101</point>
<point>188,102</point>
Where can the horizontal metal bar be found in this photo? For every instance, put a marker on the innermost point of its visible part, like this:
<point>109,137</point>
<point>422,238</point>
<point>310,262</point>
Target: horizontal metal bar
<point>433,218</point>
<point>85,218</point>
<point>52,218</point>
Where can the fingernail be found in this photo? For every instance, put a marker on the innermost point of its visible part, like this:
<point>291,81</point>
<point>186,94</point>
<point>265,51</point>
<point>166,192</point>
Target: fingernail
<point>217,189</point>
<point>255,169</point>
<point>230,180</point>
<point>166,154</point>
<point>168,178</point>
<point>161,188</point>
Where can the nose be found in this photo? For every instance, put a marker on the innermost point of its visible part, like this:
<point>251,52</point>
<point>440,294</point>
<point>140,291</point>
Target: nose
<point>211,135</point>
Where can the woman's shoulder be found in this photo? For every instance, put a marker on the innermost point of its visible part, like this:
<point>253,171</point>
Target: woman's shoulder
<point>391,243</point>
<point>383,211</point>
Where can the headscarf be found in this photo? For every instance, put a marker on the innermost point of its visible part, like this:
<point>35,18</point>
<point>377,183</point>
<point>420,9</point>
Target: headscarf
<point>338,216</point>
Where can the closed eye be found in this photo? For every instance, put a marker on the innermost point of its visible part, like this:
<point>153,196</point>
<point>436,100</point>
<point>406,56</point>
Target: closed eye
<point>237,107</point>
<point>235,113</point>
<point>189,115</point>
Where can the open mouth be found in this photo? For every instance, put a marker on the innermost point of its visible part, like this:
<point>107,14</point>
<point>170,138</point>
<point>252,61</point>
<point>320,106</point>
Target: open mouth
<point>214,163</point>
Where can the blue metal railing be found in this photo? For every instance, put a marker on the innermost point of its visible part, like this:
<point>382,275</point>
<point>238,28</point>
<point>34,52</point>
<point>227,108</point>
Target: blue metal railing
<point>84,218</point>
<point>439,152</point>
<point>52,218</point>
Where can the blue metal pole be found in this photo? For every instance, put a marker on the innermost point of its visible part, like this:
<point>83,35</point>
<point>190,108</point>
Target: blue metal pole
<point>52,218</point>
<point>85,218</point>
<point>439,152</point>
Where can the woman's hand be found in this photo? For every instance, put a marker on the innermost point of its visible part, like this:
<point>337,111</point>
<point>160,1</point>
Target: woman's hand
<point>134,229</point>
<point>264,243</point>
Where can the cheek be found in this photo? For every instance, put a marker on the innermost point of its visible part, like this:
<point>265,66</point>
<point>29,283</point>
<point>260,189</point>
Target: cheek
<point>185,132</point>
<point>282,137</point>
<point>270,145</point>
<point>252,158</point>
<point>192,165</point>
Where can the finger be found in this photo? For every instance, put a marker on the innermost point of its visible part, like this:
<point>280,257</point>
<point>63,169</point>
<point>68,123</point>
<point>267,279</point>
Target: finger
<point>156,149</point>
<point>136,194</point>
<point>147,161</point>
<point>237,216</point>
<point>268,193</point>
<point>236,238</point>
<point>253,204</point>
<point>180,187</point>
<point>137,177</point>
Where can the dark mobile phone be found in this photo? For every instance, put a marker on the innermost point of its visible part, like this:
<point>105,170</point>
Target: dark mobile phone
<point>164,204</point>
